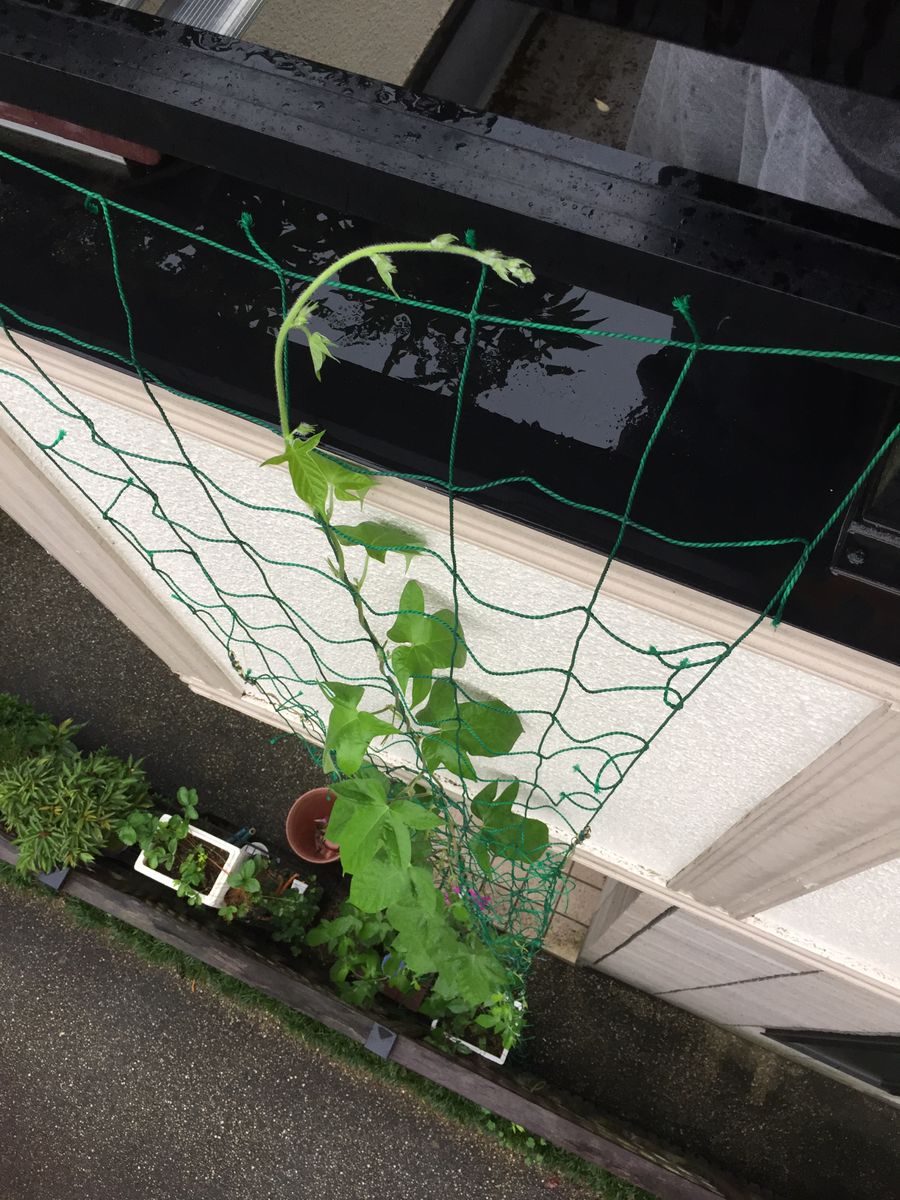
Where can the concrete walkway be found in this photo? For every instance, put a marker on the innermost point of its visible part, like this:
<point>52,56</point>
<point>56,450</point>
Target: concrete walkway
<point>120,1082</point>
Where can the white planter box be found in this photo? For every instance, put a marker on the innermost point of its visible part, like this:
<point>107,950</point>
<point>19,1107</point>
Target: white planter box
<point>499,1059</point>
<point>234,856</point>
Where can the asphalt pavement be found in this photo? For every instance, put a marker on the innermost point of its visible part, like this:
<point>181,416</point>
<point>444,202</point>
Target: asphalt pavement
<point>119,1081</point>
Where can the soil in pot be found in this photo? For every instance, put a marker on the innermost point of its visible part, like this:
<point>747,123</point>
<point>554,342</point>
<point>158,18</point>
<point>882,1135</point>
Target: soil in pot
<point>212,868</point>
<point>411,1000</point>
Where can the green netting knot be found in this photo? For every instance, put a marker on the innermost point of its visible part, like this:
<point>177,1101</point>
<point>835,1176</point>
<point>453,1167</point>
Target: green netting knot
<point>470,239</point>
<point>246,221</point>
<point>682,304</point>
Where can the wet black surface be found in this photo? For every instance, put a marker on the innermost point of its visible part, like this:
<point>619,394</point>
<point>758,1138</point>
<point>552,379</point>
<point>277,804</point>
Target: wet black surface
<point>707,1093</point>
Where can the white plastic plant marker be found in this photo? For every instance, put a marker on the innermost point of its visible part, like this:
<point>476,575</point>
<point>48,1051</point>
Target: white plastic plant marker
<point>233,857</point>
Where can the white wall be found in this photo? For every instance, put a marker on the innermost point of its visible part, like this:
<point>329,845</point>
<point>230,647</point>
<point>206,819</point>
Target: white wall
<point>855,921</point>
<point>752,726</point>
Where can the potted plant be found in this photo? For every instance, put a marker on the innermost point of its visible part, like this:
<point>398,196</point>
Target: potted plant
<point>399,838</point>
<point>282,906</point>
<point>362,963</point>
<point>491,1032</point>
<point>306,823</point>
<point>179,855</point>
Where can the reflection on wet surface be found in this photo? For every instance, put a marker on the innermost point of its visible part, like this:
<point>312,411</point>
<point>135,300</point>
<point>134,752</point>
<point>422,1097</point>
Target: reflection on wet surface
<point>583,388</point>
<point>578,386</point>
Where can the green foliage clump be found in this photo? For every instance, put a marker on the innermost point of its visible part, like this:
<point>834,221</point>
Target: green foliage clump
<point>24,732</point>
<point>159,837</point>
<point>62,810</point>
<point>289,915</point>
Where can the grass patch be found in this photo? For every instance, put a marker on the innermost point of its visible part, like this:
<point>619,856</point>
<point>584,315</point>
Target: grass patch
<point>341,1049</point>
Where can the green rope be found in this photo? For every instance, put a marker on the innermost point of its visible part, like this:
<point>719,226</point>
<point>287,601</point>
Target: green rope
<point>280,648</point>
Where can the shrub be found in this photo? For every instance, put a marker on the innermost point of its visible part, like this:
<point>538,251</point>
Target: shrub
<point>63,809</point>
<point>24,732</point>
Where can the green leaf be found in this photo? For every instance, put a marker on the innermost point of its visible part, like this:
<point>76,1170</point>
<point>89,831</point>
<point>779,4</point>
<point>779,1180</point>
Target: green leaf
<point>506,834</point>
<point>524,839</point>
<point>490,730</point>
<point>482,853</point>
<point>319,350</point>
<point>414,626</point>
<point>411,624</point>
<point>361,831</point>
<point>343,693</point>
<point>478,977</point>
<point>444,239</point>
<point>438,751</point>
<point>330,931</point>
<point>378,538</point>
<point>127,835</point>
<point>350,732</point>
<point>441,706</point>
<point>414,815</point>
<point>416,663</point>
<point>366,827</point>
<point>347,484</point>
<point>487,728</point>
<point>369,787</point>
<point>510,270</point>
<point>486,806</point>
<point>306,470</point>
<point>377,885</point>
<point>386,269</point>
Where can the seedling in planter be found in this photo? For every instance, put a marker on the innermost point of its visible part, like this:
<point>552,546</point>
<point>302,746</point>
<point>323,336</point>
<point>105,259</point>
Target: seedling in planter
<point>359,944</point>
<point>291,915</point>
<point>192,876</point>
<point>159,840</point>
<point>285,915</point>
<point>246,888</point>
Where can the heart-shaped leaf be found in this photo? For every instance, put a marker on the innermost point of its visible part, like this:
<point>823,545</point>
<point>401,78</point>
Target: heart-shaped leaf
<point>350,732</point>
<point>378,538</point>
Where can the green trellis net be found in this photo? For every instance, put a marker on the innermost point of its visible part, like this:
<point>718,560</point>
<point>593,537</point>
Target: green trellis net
<point>522,894</point>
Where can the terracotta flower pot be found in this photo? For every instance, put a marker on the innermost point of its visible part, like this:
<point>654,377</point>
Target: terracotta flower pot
<point>304,826</point>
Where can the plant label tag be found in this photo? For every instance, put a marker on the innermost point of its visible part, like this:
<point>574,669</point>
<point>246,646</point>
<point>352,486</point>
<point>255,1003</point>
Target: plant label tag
<point>299,885</point>
<point>54,879</point>
<point>381,1041</point>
